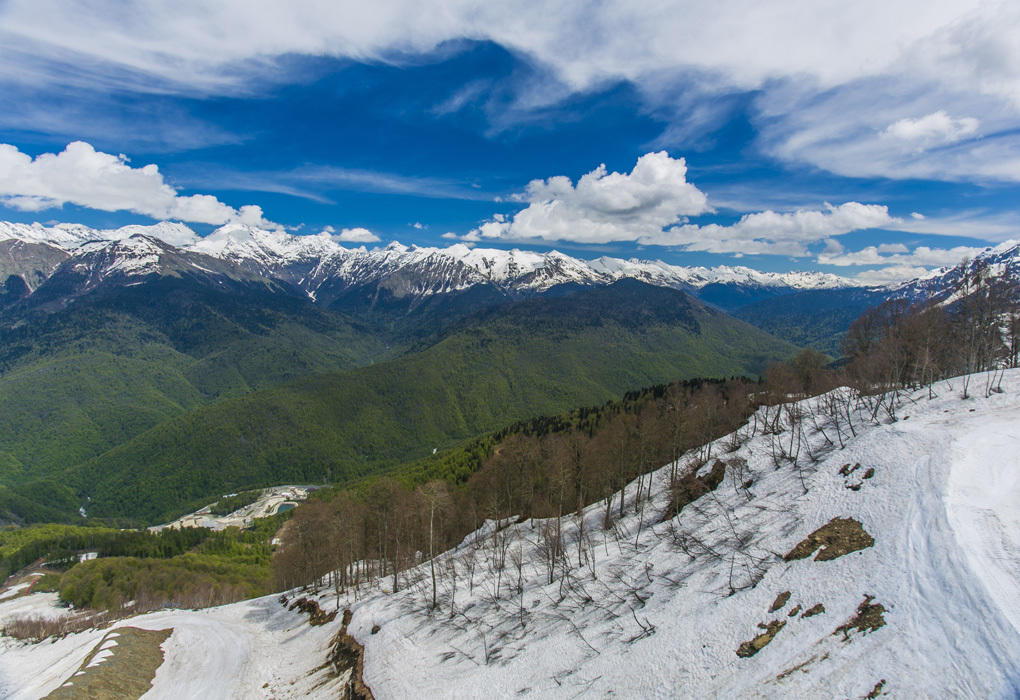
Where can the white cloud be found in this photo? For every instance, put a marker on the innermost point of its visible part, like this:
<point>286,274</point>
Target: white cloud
<point>86,177</point>
<point>419,225</point>
<point>970,223</point>
<point>771,232</point>
<point>888,275</point>
<point>871,128</point>
<point>650,206</point>
<point>888,248</point>
<point>183,45</point>
<point>853,69</point>
<point>899,255</point>
<point>357,235</point>
<point>603,207</point>
<point>936,128</point>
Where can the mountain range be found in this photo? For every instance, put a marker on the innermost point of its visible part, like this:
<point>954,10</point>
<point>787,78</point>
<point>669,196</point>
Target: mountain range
<point>324,269</point>
<point>332,275</point>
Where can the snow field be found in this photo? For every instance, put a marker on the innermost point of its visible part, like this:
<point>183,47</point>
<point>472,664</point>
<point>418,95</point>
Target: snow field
<point>661,614</point>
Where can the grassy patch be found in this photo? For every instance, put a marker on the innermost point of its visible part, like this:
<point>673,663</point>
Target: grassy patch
<point>127,671</point>
<point>868,619</point>
<point>780,601</point>
<point>816,609</point>
<point>837,537</point>
<point>758,643</point>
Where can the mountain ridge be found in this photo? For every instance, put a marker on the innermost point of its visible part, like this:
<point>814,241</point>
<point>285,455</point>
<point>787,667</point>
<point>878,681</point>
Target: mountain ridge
<point>310,261</point>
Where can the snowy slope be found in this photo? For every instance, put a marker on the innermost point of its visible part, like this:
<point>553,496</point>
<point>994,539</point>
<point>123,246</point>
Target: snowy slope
<point>252,649</point>
<point>656,621</point>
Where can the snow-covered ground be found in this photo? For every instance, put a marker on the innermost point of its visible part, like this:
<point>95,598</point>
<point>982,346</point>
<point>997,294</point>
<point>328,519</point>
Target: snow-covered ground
<point>654,620</point>
<point>653,608</point>
<point>252,649</point>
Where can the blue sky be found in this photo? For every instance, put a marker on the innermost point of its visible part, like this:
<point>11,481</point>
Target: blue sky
<point>865,140</point>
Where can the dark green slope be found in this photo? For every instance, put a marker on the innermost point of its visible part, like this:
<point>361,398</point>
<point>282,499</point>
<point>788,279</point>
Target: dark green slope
<point>78,382</point>
<point>816,318</point>
<point>538,356</point>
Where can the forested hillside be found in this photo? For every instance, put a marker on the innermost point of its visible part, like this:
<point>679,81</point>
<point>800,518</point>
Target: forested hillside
<point>539,356</point>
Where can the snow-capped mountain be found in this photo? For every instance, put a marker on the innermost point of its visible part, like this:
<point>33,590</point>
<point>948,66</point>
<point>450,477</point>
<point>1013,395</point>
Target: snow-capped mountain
<point>27,263</point>
<point>331,274</point>
<point>70,237</point>
<point>324,269</point>
<point>1001,262</point>
<point>124,262</point>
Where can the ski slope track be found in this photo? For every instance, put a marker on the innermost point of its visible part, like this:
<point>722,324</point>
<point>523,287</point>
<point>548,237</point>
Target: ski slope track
<point>653,607</point>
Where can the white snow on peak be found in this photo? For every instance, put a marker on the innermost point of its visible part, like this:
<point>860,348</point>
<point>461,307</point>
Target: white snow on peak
<point>452,268</point>
<point>71,237</point>
<point>137,255</point>
<point>240,242</point>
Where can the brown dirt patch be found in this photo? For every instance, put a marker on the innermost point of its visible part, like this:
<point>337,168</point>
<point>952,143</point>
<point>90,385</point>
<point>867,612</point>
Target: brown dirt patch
<point>847,470</point>
<point>316,616</point>
<point>794,611</point>
<point>346,654</point>
<point>868,619</point>
<point>780,601</point>
<point>758,643</point>
<point>127,673</point>
<point>817,609</point>
<point>837,537</point>
<point>876,691</point>
<point>690,487</point>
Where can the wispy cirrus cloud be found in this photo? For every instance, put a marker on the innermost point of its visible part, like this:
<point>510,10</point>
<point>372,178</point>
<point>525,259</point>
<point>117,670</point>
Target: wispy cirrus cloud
<point>835,85</point>
<point>317,182</point>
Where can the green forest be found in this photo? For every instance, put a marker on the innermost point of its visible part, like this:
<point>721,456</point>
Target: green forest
<point>82,427</point>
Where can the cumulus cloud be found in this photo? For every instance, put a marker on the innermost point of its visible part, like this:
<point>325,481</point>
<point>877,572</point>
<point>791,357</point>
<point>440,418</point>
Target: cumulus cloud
<point>86,177</point>
<point>888,275</point>
<point>603,207</point>
<point>777,233</point>
<point>356,235</point>
<point>651,205</point>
